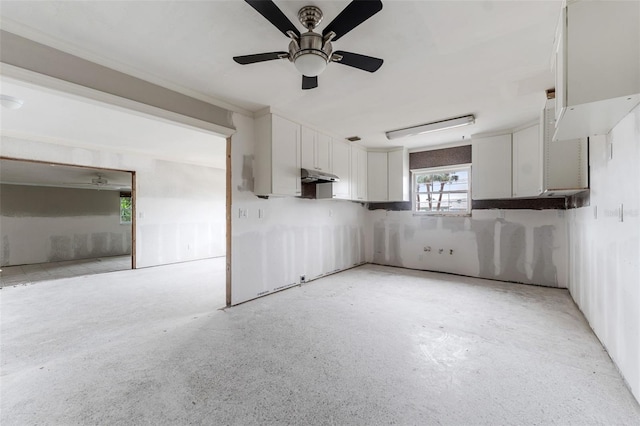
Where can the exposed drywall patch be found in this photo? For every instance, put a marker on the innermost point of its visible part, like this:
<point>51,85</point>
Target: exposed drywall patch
<point>484,232</point>
<point>116,243</point>
<point>409,231</point>
<point>512,252</point>
<point>61,248</point>
<point>454,224</point>
<point>99,244</point>
<point>544,271</point>
<point>6,251</point>
<point>379,243</point>
<point>81,246</point>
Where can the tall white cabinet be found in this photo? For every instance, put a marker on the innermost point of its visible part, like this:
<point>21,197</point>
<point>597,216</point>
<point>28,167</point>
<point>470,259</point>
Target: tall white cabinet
<point>399,185</point>
<point>277,166</point>
<point>527,162</point>
<point>341,160</point>
<point>491,168</point>
<point>377,176</point>
<point>359,167</point>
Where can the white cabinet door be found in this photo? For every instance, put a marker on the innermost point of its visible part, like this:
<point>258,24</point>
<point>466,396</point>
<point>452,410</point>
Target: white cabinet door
<point>285,157</point>
<point>323,152</point>
<point>398,175</point>
<point>491,167</point>
<point>363,168</point>
<point>308,146</point>
<point>341,159</point>
<point>527,162</point>
<point>378,176</point>
<point>358,173</point>
<point>316,150</point>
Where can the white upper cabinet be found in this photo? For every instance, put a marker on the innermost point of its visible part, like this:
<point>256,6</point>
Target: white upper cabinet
<point>527,162</point>
<point>316,150</point>
<point>398,171</point>
<point>341,160</point>
<point>358,173</point>
<point>388,175</point>
<point>565,170</point>
<point>597,66</point>
<point>323,152</point>
<point>378,176</point>
<point>277,164</point>
<point>491,168</point>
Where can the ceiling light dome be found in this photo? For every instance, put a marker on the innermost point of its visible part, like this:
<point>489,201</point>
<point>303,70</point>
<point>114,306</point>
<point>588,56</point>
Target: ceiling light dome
<point>10,102</point>
<point>310,63</point>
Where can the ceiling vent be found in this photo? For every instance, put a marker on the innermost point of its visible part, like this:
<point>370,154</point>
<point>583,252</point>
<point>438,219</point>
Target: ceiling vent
<point>353,138</point>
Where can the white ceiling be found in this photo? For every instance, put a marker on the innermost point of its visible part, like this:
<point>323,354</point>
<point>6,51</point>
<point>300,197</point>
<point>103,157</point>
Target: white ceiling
<point>442,59</point>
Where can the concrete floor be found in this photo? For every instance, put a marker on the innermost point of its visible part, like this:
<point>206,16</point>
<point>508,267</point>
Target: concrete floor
<point>372,345</point>
<point>31,274</point>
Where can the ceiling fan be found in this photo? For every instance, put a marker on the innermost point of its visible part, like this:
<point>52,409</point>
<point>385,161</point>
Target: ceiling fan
<point>310,52</point>
<point>98,182</point>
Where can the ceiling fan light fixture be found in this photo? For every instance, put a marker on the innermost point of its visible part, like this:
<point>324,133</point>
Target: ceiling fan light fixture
<point>431,127</point>
<point>10,102</point>
<point>310,63</point>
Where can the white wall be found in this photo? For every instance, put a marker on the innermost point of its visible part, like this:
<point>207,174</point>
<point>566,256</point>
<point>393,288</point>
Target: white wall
<point>524,246</point>
<point>46,224</point>
<point>294,237</point>
<point>605,251</point>
<point>182,205</point>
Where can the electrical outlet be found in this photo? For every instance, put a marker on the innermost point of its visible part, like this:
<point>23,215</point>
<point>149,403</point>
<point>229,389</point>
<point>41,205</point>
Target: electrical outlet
<point>440,251</point>
<point>450,251</point>
<point>427,248</point>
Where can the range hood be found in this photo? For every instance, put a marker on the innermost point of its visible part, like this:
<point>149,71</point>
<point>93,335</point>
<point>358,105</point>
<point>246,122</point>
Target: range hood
<point>317,176</point>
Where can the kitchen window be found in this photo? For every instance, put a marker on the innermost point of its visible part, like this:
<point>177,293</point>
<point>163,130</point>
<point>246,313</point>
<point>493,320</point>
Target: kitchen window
<point>442,190</point>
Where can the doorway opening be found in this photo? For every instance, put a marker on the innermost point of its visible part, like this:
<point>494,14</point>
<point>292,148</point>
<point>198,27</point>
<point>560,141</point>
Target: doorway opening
<point>60,220</point>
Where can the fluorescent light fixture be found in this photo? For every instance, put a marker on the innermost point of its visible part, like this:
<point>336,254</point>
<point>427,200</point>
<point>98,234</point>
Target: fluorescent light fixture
<point>431,127</point>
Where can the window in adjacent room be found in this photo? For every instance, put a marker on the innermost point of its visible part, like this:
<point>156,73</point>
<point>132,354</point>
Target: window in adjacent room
<point>442,190</point>
<point>125,208</point>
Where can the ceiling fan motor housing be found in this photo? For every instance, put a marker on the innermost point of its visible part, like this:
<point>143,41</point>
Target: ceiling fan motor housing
<point>310,17</point>
<point>312,43</point>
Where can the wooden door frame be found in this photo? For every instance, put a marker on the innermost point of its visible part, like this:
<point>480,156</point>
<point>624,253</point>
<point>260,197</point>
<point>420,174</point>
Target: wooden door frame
<point>228,217</point>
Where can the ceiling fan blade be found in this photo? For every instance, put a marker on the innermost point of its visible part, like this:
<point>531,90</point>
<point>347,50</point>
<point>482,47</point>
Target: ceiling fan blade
<point>353,15</point>
<point>309,82</point>
<point>259,57</point>
<point>269,10</point>
<point>363,62</point>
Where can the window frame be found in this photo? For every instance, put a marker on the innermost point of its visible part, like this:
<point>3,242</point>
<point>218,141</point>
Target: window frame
<point>436,170</point>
